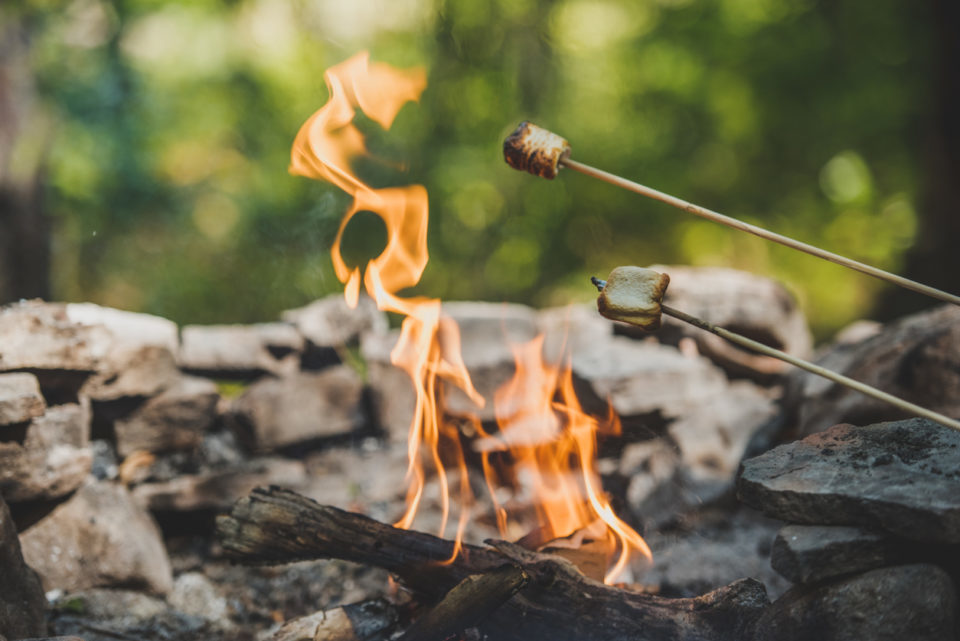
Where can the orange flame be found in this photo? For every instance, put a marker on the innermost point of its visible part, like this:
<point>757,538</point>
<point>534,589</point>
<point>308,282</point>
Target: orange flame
<point>553,445</point>
<point>553,441</point>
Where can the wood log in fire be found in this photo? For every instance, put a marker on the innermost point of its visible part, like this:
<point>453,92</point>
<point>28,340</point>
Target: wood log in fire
<point>273,525</point>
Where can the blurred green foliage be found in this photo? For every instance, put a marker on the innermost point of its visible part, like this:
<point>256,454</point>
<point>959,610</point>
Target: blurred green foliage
<point>171,125</point>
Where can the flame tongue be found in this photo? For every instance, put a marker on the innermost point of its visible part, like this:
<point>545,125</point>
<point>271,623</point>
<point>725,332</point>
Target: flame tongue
<point>551,441</point>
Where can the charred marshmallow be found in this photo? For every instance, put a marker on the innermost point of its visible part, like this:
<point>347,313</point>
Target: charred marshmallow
<point>534,149</point>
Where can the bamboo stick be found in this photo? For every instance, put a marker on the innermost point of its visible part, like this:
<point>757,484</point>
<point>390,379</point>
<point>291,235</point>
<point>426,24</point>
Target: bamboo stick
<point>542,153</point>
<point>766,350</point>
<point>717,217</point>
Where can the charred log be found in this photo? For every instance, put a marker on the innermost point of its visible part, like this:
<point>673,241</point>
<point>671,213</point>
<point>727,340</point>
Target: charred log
<point>273,525</point>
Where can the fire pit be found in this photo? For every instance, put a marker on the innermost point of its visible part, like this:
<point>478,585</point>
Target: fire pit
<point>581,480</point>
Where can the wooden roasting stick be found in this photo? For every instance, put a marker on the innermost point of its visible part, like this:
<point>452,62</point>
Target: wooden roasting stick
<point>634,295</point>
<point>542,153</point>
<point>550,599</point>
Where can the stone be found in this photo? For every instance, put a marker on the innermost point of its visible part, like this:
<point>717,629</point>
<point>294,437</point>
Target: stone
<point>368,480</point>
<point>698,460</point>
<point>810,553</point>
<point>901,477</point>
<point>392,394</point>
<point>240,351</point>
<point>301,408</point>
<point>713,549</point>
<point>752,305</point>
<point>218,490</point>
<point>22,603</point>
<point>194,594</point>
<point>129,329</point>
<point>102,614</point>
<point>132,373</point>
<point>51,458</point>
<point>99,537</point>
<point>172,420</point>
<point>330,323</point>
<point>642,377</point>
<point>20,398</point>
<point>40,337</point>
<point>916,602</point>
<point>489,332</point>
<point>916,358</point>
<point>571,329</point>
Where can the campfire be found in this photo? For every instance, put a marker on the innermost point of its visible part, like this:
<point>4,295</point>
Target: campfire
<point>544,445</point>
<point>644,469</point>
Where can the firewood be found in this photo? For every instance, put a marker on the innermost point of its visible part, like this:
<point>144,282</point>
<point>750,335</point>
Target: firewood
<point>467,604</point>
<point>273,525</point>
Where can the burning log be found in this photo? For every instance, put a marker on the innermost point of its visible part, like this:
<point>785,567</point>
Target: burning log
<point>556,602</point>
<point>634,295</point>
<point>542,153</point>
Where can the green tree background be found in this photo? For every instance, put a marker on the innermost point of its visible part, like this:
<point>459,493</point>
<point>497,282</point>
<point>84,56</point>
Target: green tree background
<point>159,135</point>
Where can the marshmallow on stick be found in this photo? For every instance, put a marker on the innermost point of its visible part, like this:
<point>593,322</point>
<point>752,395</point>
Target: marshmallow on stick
<point>634,295</point>
<point>534,149</point>
<point>542,153</point>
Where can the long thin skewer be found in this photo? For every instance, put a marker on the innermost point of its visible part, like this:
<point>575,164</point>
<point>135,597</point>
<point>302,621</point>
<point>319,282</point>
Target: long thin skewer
<point>703,212</point>
<point>542,153</point>
<point>748,343</point>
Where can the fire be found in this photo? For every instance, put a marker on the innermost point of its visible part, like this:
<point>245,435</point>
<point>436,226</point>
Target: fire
<point>542,429</point>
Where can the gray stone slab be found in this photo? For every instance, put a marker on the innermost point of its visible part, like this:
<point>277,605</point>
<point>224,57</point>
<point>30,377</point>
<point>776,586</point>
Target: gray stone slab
<point>278,412</point>
<point>240,351</point>
<point>172,420</point>
<point>810,553</point>
<point>20,398</point>
<point>51,459</point>
<point>22,605</point>
<point>902,477</point>
<point>99,537</point>
<point>916,602</point>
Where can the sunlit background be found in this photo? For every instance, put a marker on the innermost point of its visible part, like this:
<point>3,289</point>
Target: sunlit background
<point>144,146</point>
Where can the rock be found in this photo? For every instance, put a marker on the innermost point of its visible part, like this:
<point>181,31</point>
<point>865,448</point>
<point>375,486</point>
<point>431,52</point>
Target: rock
<point>645,377</point>
<point>22,604</point>
<point>218,490</point>
<point>366,620</point>
<point>368,480</point>
<point>810,553</point>
<point>916,358</point>
<point>392,393</point>
<point>127,329</point>
<point>99,537</point>
<point>330,323</point>
<point>132,373</point>
<point>916,602</point>
<point>301,408</point>
<point>717,547</point>
<point>571,329</point>
<point>755,306</point>
<point>40,337</point>
<point>698,460</point>
<point>901,477</point>
<point>20,398</point>
<point>109,614</point>
<point>175,419</point>
<point>51,458</point>
<point>194,594</point>
<point>240,351</point>
<point>488,334</point>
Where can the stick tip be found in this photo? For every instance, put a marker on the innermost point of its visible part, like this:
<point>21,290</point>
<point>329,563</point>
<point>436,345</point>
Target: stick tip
<point>536,150</point>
